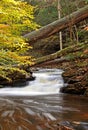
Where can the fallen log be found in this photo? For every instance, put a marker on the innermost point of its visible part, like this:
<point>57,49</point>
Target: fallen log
<point>60,54</point>
<point>58,25</point>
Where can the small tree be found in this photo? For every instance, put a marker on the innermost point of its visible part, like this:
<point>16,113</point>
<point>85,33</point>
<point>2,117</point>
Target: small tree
<point>59,16</point>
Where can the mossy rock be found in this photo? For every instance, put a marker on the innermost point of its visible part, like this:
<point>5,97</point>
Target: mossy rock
<point>12,75</point>
<point>15,74</point>
<point>4,80</point>
<point>25,67</point>
<point>1,86</point>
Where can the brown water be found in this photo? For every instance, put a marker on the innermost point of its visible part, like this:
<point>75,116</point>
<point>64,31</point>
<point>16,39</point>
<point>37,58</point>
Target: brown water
<point>41,110</point>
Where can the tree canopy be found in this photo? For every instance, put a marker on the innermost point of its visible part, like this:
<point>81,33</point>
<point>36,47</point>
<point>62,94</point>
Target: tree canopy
<point>16,18</point>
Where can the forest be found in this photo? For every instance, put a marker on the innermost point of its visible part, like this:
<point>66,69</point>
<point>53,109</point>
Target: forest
<point>45,34</point>
<point>18,19</point>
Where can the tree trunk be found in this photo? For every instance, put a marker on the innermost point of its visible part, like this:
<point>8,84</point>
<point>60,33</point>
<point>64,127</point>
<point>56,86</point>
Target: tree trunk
<point>59,17</point>
<point>58,25</point>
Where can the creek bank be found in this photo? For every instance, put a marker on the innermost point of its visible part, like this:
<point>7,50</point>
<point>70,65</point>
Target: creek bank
<point>77,79</point>
<point>14,75</point>
<point>14,68</point>
<point>74,62</point>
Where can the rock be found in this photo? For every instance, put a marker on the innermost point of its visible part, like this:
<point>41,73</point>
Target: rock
<point>65,128</point>
<point>25,67</point>
<point>77,80</point>
<point>71,89</point>
<point>80,125</point>
<point>73,125</point>
<point>4,80</point>
<point>14,75</point>
<point>1,86</point>
<point>65,125</point>
<point>86,92</point>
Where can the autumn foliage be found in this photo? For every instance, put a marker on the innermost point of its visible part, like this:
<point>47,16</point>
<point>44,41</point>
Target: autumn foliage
<point>16,18</point>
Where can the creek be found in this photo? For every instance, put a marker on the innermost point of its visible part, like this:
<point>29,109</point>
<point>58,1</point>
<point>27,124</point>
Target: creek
<point>36,104</point>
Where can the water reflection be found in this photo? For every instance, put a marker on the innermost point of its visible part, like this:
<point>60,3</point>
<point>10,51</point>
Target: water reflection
<point>32,112</point>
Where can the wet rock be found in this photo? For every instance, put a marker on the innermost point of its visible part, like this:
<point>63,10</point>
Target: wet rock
<point>73,125</point>
<point>77,79</point>
<point>80,125</point>
<point>75,88</point>
<point>66,126</point>
<point>86,92</point>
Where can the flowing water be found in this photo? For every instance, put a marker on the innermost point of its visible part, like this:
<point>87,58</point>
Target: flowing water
<point>40,106</point>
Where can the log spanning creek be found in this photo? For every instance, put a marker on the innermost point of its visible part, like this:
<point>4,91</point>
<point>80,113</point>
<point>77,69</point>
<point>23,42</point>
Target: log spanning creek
<point>38,105</point>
